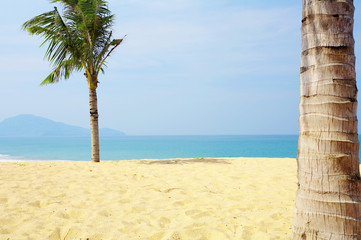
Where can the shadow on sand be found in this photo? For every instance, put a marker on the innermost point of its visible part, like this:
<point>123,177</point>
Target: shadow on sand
<point>186,161</point>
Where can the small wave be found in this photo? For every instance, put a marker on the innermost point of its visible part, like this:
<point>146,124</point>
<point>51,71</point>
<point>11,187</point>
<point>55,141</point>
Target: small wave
<point>9,158</point>
<point>5,156</point>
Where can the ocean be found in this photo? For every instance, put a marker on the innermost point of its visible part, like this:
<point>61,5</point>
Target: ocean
<point>149,147</point>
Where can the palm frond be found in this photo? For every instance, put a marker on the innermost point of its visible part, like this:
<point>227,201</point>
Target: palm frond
<point>106,53</point>
<point>81,37</point>
<point>63,70</point>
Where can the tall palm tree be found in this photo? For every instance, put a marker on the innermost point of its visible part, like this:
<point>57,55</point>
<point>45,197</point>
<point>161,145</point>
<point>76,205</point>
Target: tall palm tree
<point>328,201</point>
<point>80,39</point>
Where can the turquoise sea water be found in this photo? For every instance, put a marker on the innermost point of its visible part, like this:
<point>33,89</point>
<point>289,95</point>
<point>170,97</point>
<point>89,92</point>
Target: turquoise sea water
<point>140,147</point>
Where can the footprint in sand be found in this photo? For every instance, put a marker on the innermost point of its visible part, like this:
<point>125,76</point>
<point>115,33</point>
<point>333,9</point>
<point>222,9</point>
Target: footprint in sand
<point>178,204</point>
<point>64,234</point>
<point>196,214</point>
<point>163,222</point>
<point>276,216</point>
<point>175,236</point>
<point>158,235</point>
<point>262,226</point>
<point>237,198</point>
<point>104,213</point>
<point>247,233</point>
<point>122,191</point>
<point>202,214</point>
<point>7,221</point>
<point>4,231</point>
<point>63,214</point>
<point>124,201</point>
<point>137,209</point>
<point>38,204</point>
<point>192,212</point>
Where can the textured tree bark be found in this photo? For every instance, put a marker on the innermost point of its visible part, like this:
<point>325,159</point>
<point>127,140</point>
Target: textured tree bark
<point>328,200</point>
<point>94,127</point>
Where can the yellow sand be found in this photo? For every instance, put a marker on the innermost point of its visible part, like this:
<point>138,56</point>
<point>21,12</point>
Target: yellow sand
<point>230,198</point>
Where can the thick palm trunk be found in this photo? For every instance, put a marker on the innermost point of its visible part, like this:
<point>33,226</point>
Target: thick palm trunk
<point>328,197</point>
<point>94,128</point>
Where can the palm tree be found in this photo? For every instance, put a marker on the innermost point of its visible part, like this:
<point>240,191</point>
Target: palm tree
<point>328,201</point>
<point>80,39</point>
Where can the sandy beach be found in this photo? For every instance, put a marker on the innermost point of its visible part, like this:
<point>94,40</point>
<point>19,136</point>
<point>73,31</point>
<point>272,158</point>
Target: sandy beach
<point>223,198</point>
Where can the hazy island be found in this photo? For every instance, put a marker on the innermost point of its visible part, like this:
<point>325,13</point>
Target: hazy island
<point>27,125</point>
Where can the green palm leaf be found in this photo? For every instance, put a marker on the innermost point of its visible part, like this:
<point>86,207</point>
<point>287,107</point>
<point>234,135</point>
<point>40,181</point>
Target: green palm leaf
<point>79,37</point>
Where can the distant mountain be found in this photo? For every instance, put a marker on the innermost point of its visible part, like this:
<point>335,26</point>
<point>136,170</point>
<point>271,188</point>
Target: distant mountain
<point>27,125</point>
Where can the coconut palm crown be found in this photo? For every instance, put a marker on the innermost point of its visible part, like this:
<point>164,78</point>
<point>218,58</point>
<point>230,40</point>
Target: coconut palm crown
<point>79,39</point>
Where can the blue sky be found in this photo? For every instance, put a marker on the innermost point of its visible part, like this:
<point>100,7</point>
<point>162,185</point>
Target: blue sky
<point>185,67</point>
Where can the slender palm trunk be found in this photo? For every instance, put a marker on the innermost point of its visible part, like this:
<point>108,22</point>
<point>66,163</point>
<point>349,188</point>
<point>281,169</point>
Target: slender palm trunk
<point>94,128</point>
<point>328,201</point>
